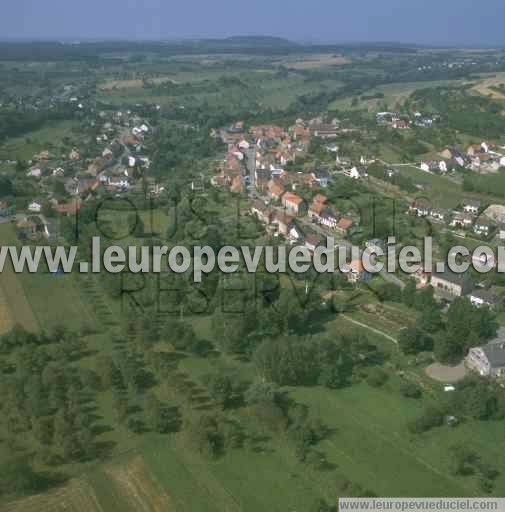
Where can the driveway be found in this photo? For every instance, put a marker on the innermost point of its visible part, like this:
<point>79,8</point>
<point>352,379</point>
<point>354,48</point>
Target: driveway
<point>446,374</point>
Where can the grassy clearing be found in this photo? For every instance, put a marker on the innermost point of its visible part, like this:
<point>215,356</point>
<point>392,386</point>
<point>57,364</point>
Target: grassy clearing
<point>441,190</point>
<point>372,445</point>
<point>394,95</point>
<point>23,148</point>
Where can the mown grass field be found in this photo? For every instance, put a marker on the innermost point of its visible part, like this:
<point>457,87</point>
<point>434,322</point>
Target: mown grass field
<point>16,306</point>
<point>263,86</point>
<point>394,95</point>
<point>41,300</point>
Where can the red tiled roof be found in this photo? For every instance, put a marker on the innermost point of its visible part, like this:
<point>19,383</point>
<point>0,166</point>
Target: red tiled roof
<point>289,197</point>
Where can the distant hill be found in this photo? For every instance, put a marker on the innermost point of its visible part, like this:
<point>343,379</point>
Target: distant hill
<point>260,41</point>
<point>252,45</point>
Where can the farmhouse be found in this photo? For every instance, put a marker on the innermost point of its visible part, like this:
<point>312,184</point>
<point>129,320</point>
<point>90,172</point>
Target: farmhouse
<point>471,207</point>
<point>324,131</point>
<point>488,360</point>
<point>450,283</point>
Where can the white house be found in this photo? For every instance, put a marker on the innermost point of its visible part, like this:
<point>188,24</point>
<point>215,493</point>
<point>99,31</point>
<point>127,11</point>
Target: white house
<point>461,220</point>
<point>482,226</point>
<point>34,207</point>
<point>482,297</point>
<point>471,207</point>
<point>121,183</point>
<point>34,172</point>
<point>354,173</point>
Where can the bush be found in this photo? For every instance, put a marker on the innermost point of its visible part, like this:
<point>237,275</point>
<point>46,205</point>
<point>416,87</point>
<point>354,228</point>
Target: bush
<point>410,390</point>
<point>486,486</point>
<point>377,377</point>
<point>432,417</point>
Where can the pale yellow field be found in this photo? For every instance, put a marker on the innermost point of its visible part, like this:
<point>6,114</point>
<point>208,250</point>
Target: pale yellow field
<point>129,487</point>
<point>139,488</point>
<point>316,61</point>
<point>134,83</point>
<point>484,86</point>
<point>76,496</point>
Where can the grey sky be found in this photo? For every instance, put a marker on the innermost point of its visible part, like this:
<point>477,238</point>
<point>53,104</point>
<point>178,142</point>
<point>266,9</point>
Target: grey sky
<point>421,21</point>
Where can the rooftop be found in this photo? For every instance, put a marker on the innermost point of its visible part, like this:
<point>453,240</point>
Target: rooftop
<point>495,350</point>
<point>452,277</point>
<point>292,198</point>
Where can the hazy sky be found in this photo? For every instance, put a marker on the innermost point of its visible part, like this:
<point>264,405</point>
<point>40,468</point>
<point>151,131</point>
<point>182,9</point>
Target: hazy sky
<point>422,21</point>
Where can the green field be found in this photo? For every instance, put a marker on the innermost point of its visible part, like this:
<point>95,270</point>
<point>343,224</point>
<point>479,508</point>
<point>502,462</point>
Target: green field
<point>394,96</point>
<point>46,138</point>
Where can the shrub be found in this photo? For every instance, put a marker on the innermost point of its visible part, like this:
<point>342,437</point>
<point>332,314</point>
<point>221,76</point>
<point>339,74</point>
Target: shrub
<point>410,390</point>
<point>377,377</point>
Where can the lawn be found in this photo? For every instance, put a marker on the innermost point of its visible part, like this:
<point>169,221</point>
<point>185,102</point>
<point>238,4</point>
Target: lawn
<point>373,446</point>
<point>443,192</point>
